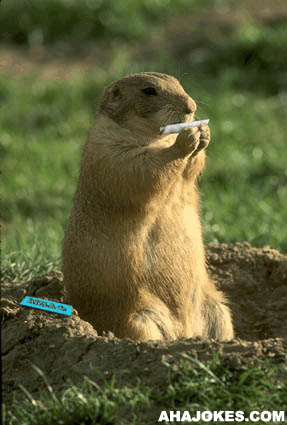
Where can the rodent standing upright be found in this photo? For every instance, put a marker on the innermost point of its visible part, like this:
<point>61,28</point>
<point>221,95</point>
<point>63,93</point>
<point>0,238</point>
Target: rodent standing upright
<point>133,255</point>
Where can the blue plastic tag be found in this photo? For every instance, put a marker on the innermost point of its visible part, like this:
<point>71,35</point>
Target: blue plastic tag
<point>47,305</point>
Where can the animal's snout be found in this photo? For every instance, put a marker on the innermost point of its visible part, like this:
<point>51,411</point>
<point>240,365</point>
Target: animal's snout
<point>188,110</point>
<point>189,106</point>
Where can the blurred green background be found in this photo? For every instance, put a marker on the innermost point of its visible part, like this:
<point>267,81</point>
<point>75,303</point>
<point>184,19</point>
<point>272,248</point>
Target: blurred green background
<point>56,56</point>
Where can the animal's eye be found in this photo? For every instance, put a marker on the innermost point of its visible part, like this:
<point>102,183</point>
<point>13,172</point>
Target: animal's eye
<point>150,91</point>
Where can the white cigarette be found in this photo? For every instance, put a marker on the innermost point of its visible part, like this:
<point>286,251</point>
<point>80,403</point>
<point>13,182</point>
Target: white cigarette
<point>177,128</point>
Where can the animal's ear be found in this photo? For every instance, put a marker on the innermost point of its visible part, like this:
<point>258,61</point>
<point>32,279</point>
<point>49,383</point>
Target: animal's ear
<point>111,99</point>
<point>115,94</point>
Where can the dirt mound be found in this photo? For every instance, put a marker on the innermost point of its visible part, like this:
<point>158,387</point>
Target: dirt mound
<point>255,281</point>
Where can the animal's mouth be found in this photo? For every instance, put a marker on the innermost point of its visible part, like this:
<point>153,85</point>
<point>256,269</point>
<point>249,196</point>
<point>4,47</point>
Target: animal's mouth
<point>188,117</point>
<point>170,116</point>
<point>180,118</point>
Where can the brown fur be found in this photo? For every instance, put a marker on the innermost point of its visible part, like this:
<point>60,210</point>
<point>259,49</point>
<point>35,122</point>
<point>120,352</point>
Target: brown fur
<point>133,256</point>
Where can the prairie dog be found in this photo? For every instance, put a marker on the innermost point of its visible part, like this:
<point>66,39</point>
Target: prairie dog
<point>133,255</point>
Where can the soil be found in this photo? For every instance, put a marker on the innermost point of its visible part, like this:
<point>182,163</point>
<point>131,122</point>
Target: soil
<point>255,281</point>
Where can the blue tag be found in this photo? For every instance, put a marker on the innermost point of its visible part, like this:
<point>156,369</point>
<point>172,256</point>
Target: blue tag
<point>47,305</point>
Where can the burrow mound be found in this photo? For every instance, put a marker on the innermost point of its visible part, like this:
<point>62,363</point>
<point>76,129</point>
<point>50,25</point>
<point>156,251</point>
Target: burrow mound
<point>255,281</point>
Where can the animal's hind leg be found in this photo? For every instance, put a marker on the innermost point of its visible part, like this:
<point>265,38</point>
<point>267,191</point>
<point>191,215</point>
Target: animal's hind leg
<point>217,317</point>
<point>150,323</point>
<point>141,327</point>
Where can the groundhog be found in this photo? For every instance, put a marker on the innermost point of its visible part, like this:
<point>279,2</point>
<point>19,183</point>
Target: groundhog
<point>133,255</point>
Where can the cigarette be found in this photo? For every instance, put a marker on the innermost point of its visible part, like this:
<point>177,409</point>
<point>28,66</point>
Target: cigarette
<point>177,128</point>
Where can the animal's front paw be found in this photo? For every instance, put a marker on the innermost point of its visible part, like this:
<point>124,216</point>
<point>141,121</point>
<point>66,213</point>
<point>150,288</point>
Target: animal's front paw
<point>204,138</point>
<point>188,140</point>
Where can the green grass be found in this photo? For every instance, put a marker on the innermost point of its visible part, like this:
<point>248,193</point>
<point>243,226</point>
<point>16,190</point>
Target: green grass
<point>213,41</point>
<point>54,20</point>
<point>194,387</point>
<point>43,129</point>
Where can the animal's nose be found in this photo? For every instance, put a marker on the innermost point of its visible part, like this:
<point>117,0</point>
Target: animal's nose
<point>190,106</point>
<point>188,110</point>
